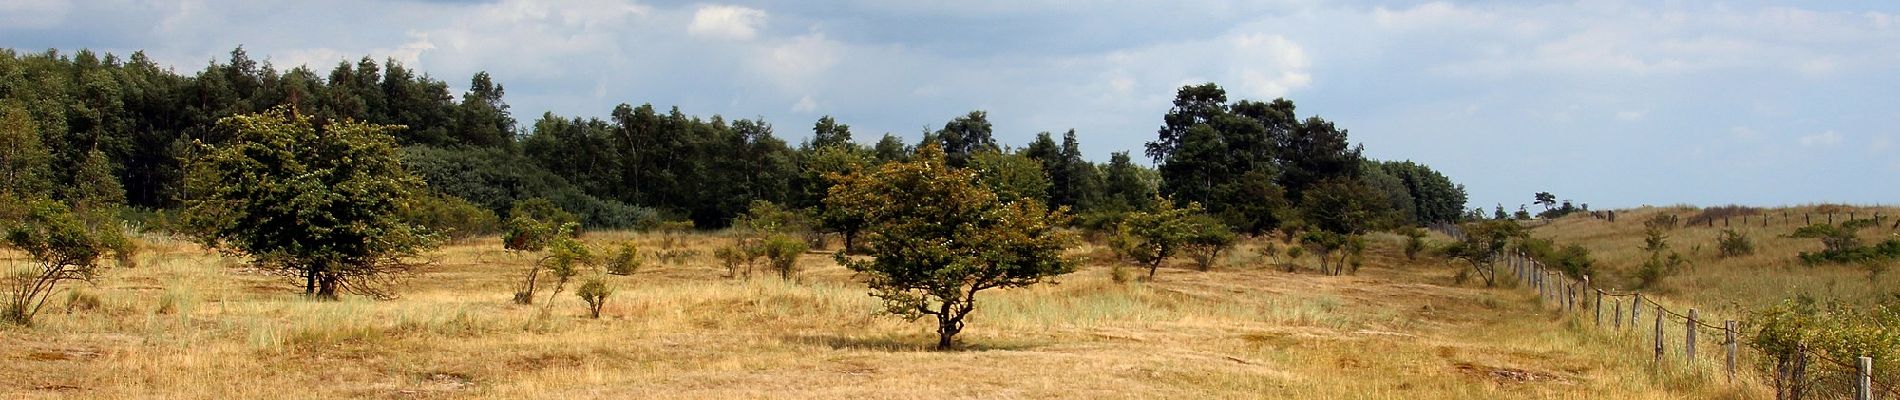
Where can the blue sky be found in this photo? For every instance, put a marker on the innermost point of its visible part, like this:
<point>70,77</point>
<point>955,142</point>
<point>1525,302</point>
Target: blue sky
<point>1611,103</point>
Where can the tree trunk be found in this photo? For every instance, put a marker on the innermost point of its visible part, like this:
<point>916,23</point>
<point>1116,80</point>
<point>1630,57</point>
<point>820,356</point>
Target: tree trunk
<point>309,281</point>
<point>326,287</point>
<point>946,329</point>
<point>850,240</point>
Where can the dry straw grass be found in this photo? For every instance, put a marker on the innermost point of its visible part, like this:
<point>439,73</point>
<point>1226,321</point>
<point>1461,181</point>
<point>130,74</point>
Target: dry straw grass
<point>187,324</point>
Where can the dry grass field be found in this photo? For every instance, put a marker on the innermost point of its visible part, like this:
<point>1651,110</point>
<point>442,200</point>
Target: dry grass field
<point>1731,286</point>
<point>188,324</point>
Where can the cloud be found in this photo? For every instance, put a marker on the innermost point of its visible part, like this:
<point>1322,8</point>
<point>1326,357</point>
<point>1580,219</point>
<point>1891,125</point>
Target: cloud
<point>805,105</point>
<point>727,22</point>
<point>1828,138</point>
<point>1630,116</point>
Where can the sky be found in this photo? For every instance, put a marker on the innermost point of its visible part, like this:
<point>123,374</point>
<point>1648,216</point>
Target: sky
<point>1611,103</point>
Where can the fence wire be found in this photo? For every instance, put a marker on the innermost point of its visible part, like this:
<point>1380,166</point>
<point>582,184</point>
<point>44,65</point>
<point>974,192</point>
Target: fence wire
<point>1807,375</point>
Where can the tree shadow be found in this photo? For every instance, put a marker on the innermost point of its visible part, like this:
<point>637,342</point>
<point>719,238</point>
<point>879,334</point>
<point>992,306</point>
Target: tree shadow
<point>901,344</point>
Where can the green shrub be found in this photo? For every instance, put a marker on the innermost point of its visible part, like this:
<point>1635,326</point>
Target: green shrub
<point>1414,243</point>
<point>595,293</point>
<point>1734,244</point>
<point>781,253</point>
<point>625,261</point>
<point>452,217</point>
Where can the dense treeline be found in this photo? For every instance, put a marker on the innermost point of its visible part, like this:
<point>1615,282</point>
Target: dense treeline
<point>1258,167</point>
<point>1254,165</point>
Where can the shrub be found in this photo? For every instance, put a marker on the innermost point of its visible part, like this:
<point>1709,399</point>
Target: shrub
<point>1414,243</point>
<point>62,247</point>
<point>1842,244</point>
<point>452,217</point>
<point>781,253</point>
<point>733,257</point>
<point>1293,255</point>
<point>1734,244</point>
<point>625,261</point>
<point>595,293</point>
<point>1210,237</point>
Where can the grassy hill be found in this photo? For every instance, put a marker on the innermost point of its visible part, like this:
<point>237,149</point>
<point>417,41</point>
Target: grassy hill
<point>187,324</point>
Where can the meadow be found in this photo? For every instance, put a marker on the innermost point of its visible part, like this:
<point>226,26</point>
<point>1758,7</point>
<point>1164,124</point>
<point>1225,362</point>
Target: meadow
<point>185,323</point>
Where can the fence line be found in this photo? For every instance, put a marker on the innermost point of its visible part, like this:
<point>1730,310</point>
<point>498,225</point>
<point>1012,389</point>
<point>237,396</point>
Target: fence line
<point>1792,380</point>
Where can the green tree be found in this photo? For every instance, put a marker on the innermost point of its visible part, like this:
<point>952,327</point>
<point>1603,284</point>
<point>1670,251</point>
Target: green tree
<point>1484,245</point>
<point>966,136</point>
<point>324,203</point>
<point>23,159</point>
<point>1545,199</point>
<point>1342,205</point>
<point>1126,186</point>
<point>1011,177</point>
<point>1159,234</point>
<point>937,238</point>
<point>485,120</point>
<point>594,293</point>
<point>62,248</point>
<point>95,188</point>
<point>829,133</point>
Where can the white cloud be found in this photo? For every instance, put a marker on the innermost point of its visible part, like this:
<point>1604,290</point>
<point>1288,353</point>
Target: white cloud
<point>805,105</point>
<point>1744,133</point>
<point>1629,116</point>
<point>1828,138</point>
<point>1271,65</point>
<point>798,63</point>
<point>727,22</point>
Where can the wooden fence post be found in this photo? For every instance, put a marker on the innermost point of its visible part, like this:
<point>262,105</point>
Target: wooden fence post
<point>1659,338</point>
<point>1616,318</point>
<point>1636,311</point>
<point>1688,342</point>
<point>1863,383</point>
<point>1728,330</point>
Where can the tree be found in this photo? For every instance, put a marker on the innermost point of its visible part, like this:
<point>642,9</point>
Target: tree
<point>1545,199</point>
<point>828,133</point>
<point>1210,237</point>
<point>1342,205</point>
<point>23,159</point>
<point>1011,177</point>
<point>1484,245</point>
<point>965,136</point>
<point>1314,152</point>
<point>485,120</point>
<point>1161,233</point>
<point>1125,186</point>
<point>937,238</point>
<point>1325,244</point>
<point>323,203</point>
<point>594,293</point>
<point>95,188</point>
<point>62,246</point>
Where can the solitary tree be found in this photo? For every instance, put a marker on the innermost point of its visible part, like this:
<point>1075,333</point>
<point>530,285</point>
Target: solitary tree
<point>937,238</point>
<point>1545,199</point>
<point>62,248</point>
<point>1161,233</point>
<point>1484,245</point>
<point>320,202</point>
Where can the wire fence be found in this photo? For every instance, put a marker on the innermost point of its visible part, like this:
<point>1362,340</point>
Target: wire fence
<point>1688,340</point>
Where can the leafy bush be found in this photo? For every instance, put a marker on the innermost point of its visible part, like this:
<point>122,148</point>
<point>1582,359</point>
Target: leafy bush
<point>1734,244</point>
<point>1414,243</point>
<point>1842,244</point>
<point>1834,330</point>
<point>1210,238</point>
<point>595,293</point>
<point>734,257</point>
<point>625,261</point>
<point>62,248</point>
<point>452,217</point>
<point>781,252</point>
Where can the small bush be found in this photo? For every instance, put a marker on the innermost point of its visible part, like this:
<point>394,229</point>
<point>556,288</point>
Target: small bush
<point>734,257</point>
<point>625,261</point>
<point>1734,244</point>
<point>1119,274</point>
<point>1414,243</point>
<point>1293,255</point>
<point>595,293</point>
<point>781,252</point>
